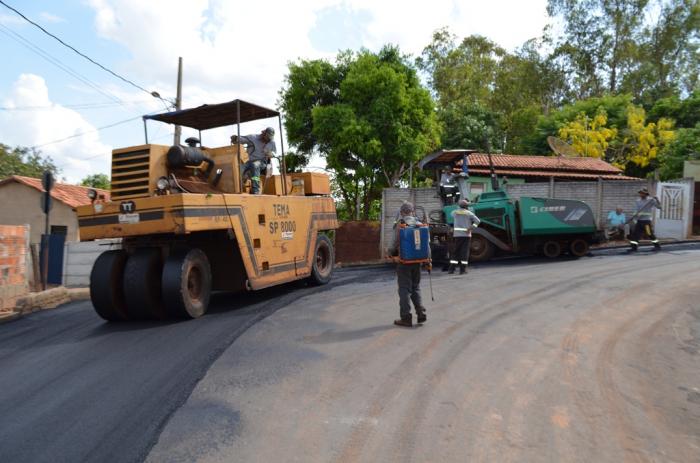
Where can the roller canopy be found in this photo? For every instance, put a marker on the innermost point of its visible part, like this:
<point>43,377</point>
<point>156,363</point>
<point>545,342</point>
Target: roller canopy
<point>442,158</point>
<point>210,116</point>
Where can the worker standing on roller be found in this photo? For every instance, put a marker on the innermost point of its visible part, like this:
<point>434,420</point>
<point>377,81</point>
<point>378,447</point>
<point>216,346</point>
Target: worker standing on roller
<point>261,148</point>
<point>408,275</point>
<point>644,206</point>
<point>464,222</point>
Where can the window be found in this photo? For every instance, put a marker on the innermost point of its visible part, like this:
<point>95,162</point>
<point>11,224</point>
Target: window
<point>476,188</point>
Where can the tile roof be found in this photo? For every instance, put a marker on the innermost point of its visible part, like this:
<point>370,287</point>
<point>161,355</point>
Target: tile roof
<point>550,173</point>
<point>555,163</point>
<point>72,195</point>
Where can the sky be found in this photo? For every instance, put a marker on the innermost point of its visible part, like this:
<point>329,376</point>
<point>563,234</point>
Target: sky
<point>230,49</point>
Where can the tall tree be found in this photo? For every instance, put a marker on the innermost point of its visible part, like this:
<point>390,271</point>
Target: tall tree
<point>368,116</point>
<point>599,41</point>
<point>667,60</point>
<point>24,161</point>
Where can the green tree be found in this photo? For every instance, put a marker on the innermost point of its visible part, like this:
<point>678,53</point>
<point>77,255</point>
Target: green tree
<point>685,146</point>
<point>685,112</point>
<point>667,59</point>
<point>368,115</point>
<point>97,181</point>
<point>24,161</point>
<point>599,41</point>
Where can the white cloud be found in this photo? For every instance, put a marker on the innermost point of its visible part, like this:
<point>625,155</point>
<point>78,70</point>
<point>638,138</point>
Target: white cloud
<point>50,18</point>
<point>78,156</point>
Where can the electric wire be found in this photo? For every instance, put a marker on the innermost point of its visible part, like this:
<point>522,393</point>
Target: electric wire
<point>37,50</point>
<point>124,79</point>
<point>94,105</point>
<point>80,134</point>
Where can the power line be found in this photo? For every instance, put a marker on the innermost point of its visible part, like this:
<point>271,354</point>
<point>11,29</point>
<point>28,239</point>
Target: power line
<point>37,50</point>
<point>154,94</point>
<point>95,105</point>
<point>80,134</point>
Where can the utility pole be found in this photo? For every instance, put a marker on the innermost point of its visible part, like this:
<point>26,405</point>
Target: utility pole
<point>178,100</point>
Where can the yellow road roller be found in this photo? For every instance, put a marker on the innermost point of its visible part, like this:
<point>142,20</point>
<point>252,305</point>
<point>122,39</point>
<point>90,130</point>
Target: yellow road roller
<point>189,224</point>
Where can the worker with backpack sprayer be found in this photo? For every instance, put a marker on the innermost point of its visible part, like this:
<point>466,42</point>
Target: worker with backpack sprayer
<point>411,249</point>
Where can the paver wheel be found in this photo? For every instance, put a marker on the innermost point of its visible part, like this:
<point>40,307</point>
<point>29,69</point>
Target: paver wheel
<point>142,277</point>
<point>551,249</point>
<point>480,249</point>
<point>578,247</point>
<point>186,283</point>
<point>106,286</point>
<point>323,261</point>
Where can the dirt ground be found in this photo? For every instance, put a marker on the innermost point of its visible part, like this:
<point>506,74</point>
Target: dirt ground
<point>592,360</point>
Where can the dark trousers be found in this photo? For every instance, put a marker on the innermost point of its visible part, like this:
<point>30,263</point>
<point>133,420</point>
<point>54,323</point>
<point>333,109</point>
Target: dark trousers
<point>641,228</point>
<point>460,253</point>
<point>408,276</point>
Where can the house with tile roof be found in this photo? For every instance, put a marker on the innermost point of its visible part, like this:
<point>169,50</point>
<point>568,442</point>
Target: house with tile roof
<point>20,204</point>
<point>516,169</point>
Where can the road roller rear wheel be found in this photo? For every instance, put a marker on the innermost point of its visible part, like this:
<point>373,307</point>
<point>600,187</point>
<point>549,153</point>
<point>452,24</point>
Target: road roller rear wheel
<point>322,267</point>
<point>579,247</point>
<point>186,283</point>
<point>106,286</point>
<point>142,277</point>
<point>551,249</point>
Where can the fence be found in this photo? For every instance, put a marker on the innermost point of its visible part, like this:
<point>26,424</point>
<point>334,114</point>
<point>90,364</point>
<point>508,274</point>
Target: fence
<point>602,196</point>
<point>79,258</point>
<point>14,261</point>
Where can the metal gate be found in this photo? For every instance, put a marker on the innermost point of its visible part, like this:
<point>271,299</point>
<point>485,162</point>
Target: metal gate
<point>674,220</point>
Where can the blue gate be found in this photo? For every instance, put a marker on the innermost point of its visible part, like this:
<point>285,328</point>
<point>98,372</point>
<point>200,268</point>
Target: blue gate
<point>56,246</point>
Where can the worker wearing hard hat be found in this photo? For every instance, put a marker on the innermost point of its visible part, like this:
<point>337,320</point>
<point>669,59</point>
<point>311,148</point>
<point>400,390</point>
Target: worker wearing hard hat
<point>408,275</point>
<point>464,222</point>
<point>261,148</point>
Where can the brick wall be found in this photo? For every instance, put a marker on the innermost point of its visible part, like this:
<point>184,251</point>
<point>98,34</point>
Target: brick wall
<point>14,243</point>
<point>357,242</point>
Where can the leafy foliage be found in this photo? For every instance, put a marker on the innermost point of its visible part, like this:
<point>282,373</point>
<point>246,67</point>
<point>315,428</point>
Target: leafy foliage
<point>368,116</point>
<point>685,146</point>
<point>24,161</point>
<point>97,181</point>
<point>590,138</point>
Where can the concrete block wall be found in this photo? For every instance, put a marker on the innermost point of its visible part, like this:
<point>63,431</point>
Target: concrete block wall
<point>79,257</point>
<point>14,260</point>
<point>537,190</point>
<point>393,198</point>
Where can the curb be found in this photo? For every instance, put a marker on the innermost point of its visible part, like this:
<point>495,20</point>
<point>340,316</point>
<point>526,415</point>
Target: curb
<point>45,300</point>
<point>8,317</point>
<point>626,245</point>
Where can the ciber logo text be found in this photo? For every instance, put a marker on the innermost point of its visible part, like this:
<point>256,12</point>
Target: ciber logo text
<point>535,209</point>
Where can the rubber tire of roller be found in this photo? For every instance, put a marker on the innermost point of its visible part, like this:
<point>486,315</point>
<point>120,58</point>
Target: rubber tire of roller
<point>106,286</point>
<point>551,249</point>
<point>186,283</point>
<point>579,247</point>
<point>323,261</point>
<point>142,277</point>
<point>480,249</point>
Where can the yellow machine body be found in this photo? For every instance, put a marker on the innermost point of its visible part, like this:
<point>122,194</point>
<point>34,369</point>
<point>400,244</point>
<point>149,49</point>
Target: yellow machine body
<point>250,241</point>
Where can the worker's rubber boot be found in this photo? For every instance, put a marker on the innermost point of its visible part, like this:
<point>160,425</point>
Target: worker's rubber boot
<point>462,269</point>
<point>451,269</point>
<point>422,317</point>
<point>632,249</point>
<point>407,322</point>
<point>657,247</point>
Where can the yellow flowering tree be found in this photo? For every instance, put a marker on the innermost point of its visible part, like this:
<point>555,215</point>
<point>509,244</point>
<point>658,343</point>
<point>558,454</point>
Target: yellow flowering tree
<point>642,141</point>
<point>589,136</point>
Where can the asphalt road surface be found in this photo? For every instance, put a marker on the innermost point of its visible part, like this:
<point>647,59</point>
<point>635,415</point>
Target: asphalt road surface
<point>520,360</point>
